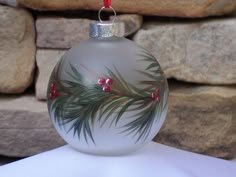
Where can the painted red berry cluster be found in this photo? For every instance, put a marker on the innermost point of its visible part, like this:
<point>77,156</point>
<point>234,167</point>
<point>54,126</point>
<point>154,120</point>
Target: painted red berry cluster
<point>155,95</point>
<point>54,92</point>
<point>105,84</point>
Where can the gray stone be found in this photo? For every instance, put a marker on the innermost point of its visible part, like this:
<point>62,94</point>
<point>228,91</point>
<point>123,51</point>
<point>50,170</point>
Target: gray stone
<point>61,33</point>
<point>201,119</point>
<point>201,51</point>
<point>183,8</point>
<point>25,127</point>
<point>132,22</point>
<point>17,49</point>
<point>46,61</point>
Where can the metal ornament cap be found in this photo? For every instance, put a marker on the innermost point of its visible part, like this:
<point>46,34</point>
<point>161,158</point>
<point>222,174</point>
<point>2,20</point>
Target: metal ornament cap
<point>107,29</point>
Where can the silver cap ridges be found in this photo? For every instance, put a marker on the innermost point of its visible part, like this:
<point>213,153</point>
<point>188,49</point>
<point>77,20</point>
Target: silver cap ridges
<point>107,29</point>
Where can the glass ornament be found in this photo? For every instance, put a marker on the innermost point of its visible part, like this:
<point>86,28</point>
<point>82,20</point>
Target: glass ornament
<point>107,95</point>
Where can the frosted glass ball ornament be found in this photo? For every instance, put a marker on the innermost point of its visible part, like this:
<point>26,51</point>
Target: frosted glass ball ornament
<point>107,95</point>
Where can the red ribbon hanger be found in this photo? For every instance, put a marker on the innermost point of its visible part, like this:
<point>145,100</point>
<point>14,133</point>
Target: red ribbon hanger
<point>107,3</point>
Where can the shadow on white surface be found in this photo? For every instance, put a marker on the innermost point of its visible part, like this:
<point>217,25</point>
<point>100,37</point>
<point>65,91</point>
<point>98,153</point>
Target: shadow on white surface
<point>154,160</point>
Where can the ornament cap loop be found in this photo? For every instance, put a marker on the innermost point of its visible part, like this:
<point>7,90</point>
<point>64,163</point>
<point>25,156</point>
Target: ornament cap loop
<point>100,11</point>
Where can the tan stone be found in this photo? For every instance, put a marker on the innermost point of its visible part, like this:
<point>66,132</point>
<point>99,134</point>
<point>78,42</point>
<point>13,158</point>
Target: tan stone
<point>25,127</point>
<point>201,119</point>
<point>201,51</point>
<point>17,49</point>
<point>180,8</point>
<point>46,61</point>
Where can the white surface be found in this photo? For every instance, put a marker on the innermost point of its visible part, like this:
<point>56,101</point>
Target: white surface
<point>154,160</point>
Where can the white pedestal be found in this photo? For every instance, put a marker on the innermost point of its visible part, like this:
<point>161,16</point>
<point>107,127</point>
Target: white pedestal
<point>154,160</point>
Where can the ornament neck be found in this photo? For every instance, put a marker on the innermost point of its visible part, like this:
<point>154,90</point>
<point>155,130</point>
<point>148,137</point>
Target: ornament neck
<point>106,29</point>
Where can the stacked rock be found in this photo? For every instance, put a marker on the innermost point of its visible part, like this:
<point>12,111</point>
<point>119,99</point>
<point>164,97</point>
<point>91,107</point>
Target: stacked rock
<point>198,55</point>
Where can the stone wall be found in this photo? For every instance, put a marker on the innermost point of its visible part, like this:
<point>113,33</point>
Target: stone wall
<point>198,55</point>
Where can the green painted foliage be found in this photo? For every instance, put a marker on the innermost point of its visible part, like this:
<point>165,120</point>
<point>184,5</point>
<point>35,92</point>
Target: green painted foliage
<point>83,105</point>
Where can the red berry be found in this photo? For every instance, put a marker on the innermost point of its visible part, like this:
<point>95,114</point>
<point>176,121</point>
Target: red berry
<point>158,90</point>
<point>154,95</point>
<point>53,86</point>
<point>106,89</point>
<point>55,93</point>
<point>101,81</point>
<point>109,81</point>
<point>158,99</point>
